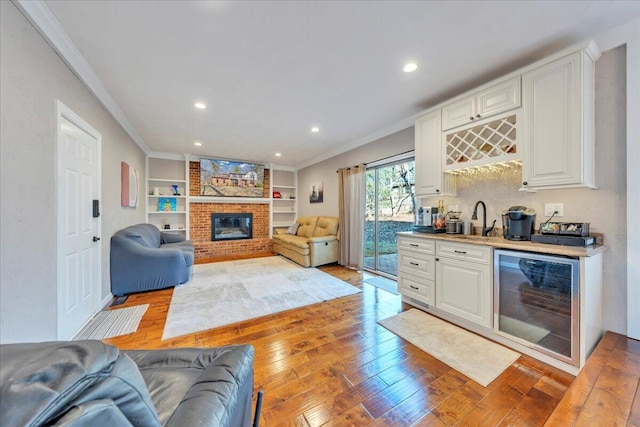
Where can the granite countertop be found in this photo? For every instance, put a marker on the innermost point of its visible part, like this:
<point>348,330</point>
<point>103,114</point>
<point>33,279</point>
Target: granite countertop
<point>502,243</point>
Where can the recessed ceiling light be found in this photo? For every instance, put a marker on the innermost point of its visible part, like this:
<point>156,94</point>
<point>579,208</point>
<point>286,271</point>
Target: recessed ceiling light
<point>278,154</point>
<point>200,105</point>
<point>315,129</point>
<point>410,67</point>
<point>197,144</point>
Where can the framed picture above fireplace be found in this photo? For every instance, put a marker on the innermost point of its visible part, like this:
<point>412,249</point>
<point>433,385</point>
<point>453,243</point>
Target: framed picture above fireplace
<point>225,178</point>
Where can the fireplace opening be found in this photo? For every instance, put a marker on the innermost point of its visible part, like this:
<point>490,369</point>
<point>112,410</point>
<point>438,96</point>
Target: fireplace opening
<point>231,226</point>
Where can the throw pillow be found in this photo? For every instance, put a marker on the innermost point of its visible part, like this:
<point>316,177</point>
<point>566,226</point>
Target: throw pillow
<point>293,228</point>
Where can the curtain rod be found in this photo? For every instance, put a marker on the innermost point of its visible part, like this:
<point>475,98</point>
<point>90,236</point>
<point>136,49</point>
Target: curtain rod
<point>383,159</point>
<point>356,166</point>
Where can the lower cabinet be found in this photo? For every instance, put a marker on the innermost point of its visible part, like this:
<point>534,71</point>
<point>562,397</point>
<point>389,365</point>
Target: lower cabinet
<point>453,277</point>
<point>464,288</point>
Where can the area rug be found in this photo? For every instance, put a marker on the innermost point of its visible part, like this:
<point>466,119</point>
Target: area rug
<point>223,293</point>
<point>112,323</point>
<point>468,353</point>
<point>383,283</point>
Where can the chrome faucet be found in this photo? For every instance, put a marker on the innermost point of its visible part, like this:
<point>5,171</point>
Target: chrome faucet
<point>474,216</point>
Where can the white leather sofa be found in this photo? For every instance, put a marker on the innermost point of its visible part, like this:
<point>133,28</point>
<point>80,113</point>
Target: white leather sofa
<point>315,242</point>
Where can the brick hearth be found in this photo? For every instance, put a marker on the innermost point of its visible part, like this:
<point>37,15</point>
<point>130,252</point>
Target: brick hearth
<point>200,223</point>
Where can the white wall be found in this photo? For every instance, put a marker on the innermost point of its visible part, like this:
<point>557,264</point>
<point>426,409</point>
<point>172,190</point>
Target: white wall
<point>399,142</point>
<point>32,77</point>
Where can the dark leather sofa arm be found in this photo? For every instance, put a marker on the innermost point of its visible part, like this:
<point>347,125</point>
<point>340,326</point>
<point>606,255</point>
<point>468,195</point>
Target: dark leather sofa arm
<point>221,395</point>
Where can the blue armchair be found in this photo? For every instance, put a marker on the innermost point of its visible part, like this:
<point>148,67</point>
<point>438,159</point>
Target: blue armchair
<point>143,258</point>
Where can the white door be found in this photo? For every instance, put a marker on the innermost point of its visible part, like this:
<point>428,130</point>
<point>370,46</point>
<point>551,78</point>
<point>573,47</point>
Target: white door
<point>78,184</point>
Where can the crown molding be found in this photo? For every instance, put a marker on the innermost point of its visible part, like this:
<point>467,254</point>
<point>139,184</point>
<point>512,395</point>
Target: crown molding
<point>45,22</point>
<point>396,127</point>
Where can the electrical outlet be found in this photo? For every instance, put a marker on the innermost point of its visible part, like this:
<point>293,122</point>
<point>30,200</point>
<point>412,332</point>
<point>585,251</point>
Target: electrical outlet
<point>550,208</point>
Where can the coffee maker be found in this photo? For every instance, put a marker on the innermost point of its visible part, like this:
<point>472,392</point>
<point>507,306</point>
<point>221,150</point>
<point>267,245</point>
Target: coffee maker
<point>518,223</point>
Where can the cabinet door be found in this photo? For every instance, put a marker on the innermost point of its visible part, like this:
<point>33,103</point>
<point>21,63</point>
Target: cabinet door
<point>499,98</point>
<point>458,113</point>
<point>464,289</point>
<point>428,144</point>
<point>416,287</point>
<point>552,130</point>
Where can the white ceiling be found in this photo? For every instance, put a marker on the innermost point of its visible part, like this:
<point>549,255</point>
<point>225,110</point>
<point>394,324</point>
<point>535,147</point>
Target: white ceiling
<point>270,70</point>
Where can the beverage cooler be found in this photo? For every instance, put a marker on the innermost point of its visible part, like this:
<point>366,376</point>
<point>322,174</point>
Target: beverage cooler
<point>537,302</point>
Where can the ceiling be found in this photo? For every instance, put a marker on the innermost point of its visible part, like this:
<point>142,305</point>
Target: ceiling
<point>270,70</point>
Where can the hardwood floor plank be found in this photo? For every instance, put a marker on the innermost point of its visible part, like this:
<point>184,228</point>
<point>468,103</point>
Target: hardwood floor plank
<point>332,364</point>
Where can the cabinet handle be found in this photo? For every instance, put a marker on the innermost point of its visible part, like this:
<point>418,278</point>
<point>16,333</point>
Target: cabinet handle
<point>478,115</point>
<point>437,259</point>
<point>470,117</point>
<point>414,245</point>
<point>414,263</point>
<point>525,183</point>
<point>413,287</point>
<point>437,191</point>
<point>460,252</point>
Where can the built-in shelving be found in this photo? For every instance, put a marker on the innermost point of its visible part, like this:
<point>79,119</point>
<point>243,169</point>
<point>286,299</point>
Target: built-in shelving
<point>284,197</point>
<point>164,171</point>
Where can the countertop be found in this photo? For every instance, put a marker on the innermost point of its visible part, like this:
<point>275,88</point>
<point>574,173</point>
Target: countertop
<point>502,243</point>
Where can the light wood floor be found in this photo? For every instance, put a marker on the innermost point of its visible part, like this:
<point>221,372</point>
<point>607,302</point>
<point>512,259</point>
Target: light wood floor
<point>331,364</point>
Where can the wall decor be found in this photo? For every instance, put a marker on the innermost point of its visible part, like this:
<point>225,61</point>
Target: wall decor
<point>316,195</point>
<point>225,178</point>
<point>167,204</point>
<point>128,186</point>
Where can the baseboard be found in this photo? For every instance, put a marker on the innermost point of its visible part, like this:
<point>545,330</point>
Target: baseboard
<point>106,300</point>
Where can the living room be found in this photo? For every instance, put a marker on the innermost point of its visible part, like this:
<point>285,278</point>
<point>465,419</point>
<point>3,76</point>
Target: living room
<point>34,75</point>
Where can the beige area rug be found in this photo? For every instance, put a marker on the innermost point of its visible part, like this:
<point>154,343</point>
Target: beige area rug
<point>468,353</point>
<point>112,323</point>
<point>228,292</point>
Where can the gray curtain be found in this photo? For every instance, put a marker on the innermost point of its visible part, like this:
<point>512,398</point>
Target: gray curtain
<point>351,192</point>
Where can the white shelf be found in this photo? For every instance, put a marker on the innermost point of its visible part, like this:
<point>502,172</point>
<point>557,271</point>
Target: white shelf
<point>173,230</point>
<point>213,199</point>
<point>167,212</point>
<point>284,211</point>
<point>279,224</point>
<point>167,180</point>
<point>167,195</point>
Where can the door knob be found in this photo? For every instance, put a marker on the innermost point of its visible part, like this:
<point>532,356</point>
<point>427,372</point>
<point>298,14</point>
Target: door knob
<point>96,238</point>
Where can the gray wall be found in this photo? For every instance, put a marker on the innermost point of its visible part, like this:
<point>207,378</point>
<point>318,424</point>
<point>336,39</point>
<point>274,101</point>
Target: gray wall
<point>32,77</point>
<point>325,171</point>
<point>604,208</point>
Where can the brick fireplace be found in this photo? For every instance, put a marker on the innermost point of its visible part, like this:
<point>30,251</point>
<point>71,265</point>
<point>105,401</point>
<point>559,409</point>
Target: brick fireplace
<point>200,222</point>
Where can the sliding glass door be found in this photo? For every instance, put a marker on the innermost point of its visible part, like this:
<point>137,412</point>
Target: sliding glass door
<point>390,207</point>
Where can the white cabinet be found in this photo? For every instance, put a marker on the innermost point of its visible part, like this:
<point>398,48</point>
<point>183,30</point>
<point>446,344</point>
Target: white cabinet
<point>428,158</point>
<point>558,122</point>
<point>168,211</point>
<point>486,142</point>
<point>453,277</point>
<point>463,281</point>
<point>496,99</point>
<point>284,197</point>
<point>416,266</point>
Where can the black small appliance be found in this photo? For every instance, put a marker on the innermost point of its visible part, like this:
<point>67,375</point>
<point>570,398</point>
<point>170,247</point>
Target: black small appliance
<point>518,223</point>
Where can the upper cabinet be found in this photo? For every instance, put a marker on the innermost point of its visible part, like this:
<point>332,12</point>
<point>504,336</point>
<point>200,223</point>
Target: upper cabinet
<point>483,104</point>
<point>485,142</point>
<point>541,117</point>
<point>428,157</point>
<point>558,122</point>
